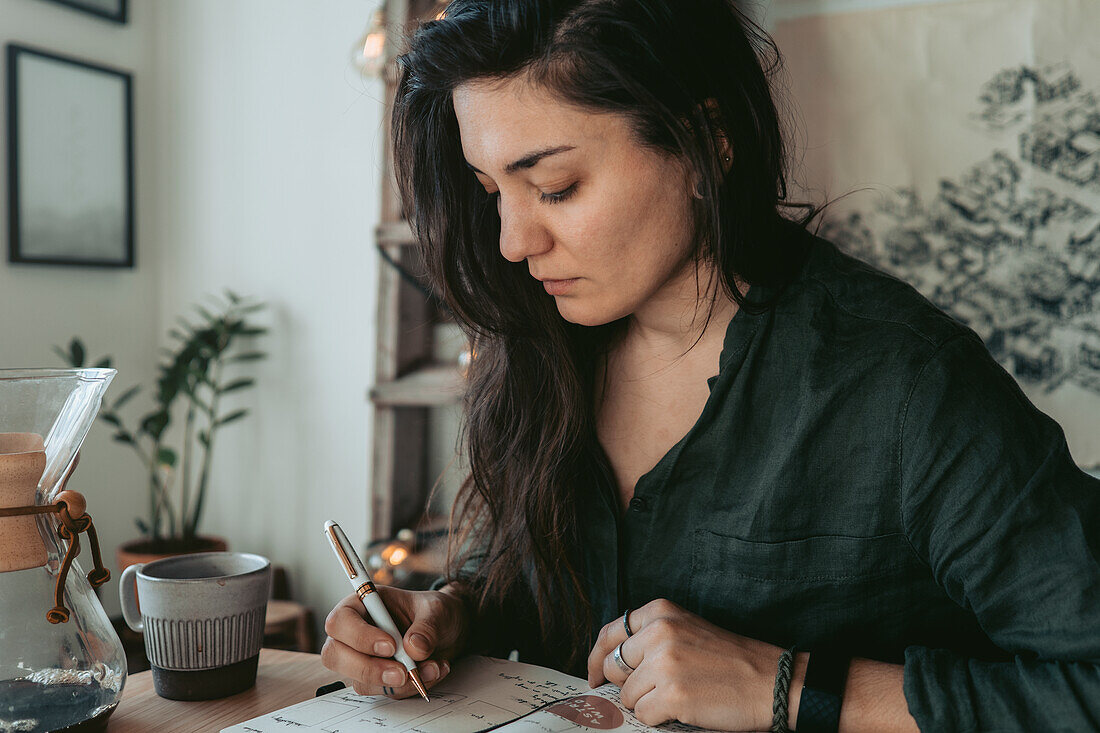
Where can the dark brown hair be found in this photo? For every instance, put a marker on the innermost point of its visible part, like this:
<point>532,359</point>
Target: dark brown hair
<point>683,73</point>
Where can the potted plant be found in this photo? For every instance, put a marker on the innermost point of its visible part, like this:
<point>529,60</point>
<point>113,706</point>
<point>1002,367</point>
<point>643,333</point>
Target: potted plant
<point>196,373</point>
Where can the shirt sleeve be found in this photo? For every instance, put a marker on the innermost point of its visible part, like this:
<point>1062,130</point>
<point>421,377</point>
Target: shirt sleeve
<point>1010,528</point>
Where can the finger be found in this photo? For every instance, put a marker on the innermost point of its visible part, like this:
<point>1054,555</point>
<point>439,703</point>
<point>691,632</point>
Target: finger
<point>633,653</point>
<point>651,710</point>
<point>374,672</point>
<point>421,638</point>
<point>636,686</point>
<point>655,610</point>
<point>610,636</point>
<point>613,633</point>
<point>431,673</point>
<point>346,623</point>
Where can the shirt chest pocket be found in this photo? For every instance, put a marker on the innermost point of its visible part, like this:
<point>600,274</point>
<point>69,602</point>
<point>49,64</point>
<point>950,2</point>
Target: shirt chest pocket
<point>805,590</point>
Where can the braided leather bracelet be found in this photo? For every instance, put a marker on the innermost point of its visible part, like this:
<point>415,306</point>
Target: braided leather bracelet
<point>782,692</point>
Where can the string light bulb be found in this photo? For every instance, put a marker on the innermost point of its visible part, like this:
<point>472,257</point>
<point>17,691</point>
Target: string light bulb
<point>370,52</point>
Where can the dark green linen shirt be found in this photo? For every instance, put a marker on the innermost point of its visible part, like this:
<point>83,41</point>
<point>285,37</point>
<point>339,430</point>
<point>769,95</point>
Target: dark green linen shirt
<point>864,472</point>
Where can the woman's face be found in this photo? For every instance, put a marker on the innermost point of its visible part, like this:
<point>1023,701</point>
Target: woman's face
<point>602,220</point>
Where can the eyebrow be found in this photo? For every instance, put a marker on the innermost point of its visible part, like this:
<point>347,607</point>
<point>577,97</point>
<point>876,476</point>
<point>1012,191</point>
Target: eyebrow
<point>528,161</point>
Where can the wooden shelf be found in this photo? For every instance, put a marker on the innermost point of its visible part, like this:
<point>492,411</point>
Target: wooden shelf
<point>403,440</point>
<point>395,234</point>
<point>431,386</point>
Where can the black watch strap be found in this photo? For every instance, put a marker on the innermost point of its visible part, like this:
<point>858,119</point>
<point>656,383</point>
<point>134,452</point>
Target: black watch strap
<point>819,706</point>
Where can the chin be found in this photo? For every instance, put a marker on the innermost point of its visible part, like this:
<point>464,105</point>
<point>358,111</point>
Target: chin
<point>587,314</point>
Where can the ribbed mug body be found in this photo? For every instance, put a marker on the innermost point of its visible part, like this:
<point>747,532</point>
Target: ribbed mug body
<point>203,620</point>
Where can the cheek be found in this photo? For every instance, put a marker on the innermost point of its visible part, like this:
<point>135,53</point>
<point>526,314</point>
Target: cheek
<point>627,240</point>
<point>636,226</point>
<point>651,229</point>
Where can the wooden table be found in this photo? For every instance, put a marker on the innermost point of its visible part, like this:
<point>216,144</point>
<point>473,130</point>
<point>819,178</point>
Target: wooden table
<point>284,678</point>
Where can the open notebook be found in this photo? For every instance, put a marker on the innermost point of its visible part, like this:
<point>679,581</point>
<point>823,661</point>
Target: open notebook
<point>479,694</point>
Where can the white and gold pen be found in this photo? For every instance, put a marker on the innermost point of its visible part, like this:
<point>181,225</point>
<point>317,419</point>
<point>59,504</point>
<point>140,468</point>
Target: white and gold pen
<point>364,588</point>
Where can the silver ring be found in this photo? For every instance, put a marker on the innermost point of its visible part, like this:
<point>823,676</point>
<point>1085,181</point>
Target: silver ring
<point>626,624</point>
<point>617,657</point>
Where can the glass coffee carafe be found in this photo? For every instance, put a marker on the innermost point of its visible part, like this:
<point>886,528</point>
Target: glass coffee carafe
<point>62,666</point>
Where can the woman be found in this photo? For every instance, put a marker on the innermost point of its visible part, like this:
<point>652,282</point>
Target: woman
<point>700,436</point>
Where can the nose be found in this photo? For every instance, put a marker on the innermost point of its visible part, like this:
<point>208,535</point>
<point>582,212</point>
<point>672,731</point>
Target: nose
<point>522,234</point>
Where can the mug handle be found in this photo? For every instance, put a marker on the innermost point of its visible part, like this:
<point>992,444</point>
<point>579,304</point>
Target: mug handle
<point>127,596</point>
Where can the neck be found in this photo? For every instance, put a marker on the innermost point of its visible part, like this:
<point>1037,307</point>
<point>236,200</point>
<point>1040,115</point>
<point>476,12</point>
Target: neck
<point>691,308</point>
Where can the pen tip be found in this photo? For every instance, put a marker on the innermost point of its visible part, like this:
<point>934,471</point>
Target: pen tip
<point>418,684</point>
<point>329,523</point>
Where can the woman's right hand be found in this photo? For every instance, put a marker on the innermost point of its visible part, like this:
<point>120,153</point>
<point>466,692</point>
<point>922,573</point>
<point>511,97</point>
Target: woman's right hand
<point>436,624</point>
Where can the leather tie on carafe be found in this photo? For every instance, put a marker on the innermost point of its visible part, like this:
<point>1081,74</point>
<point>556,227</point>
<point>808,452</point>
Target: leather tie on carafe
<point>22,463</point>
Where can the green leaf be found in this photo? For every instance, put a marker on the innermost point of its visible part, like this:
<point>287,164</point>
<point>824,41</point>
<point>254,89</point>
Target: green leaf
<point>252,331</point>
<point>126,396</point>
<point>76,352</point>
<point>124,437</point>
<point>204,438</point>
<point>200,404</point>
<point>155,424</point>
<point>110,418</point>
<point>104,363</point>
<point>198,375</point>
<point>246,356</point>
<point>237,384</point>
<point>233,297</point>
<point>63,354</point>
<point>252,308</point>
<point>178,334</point>
<point>141,525</point>
<point>231,417</point>
<point>166,457</point>
<point>206,314</point>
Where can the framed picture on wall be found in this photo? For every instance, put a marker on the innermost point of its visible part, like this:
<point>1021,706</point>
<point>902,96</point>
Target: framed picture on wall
<point>113,10</point>
<point>70,161</point>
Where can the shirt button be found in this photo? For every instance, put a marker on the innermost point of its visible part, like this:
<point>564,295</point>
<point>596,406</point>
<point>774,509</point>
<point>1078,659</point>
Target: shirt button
<point>639,504</point>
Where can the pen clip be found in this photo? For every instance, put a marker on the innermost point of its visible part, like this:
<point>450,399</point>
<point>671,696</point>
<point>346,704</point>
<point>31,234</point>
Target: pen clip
<point>340,551</point>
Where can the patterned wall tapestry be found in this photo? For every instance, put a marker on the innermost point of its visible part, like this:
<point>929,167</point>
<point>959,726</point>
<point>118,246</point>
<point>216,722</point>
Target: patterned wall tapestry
<point>969,133</point>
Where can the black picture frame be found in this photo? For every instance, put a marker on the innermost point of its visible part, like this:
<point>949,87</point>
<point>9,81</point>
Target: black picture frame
<point>115,11</point>
<point>70,161</point>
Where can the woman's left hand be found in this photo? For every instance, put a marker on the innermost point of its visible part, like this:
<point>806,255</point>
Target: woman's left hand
<point>687,669</point>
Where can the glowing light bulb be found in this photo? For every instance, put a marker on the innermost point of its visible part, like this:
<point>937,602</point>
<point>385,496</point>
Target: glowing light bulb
<point>370,53</point>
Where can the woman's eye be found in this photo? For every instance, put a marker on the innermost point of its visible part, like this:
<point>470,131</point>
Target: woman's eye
<point>558,197</point>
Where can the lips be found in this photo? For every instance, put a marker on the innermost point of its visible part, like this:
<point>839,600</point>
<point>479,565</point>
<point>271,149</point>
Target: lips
<point>559,287</point>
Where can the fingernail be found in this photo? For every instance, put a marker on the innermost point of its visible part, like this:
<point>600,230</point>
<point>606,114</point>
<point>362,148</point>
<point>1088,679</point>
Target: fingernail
<point>446,669</point>
<point>394,677</point>
<point>383,648</point>
<point>419,641</point>
<point>429,672</point>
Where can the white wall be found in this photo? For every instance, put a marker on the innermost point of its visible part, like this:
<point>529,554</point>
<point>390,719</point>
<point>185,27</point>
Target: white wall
<point>271,157</point>
<point>258,150</point>
<point>113,311</point>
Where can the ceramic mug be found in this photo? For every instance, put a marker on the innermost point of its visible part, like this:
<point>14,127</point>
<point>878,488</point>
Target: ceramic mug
<point>203,620</point>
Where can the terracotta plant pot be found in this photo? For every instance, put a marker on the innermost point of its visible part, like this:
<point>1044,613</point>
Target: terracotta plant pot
<point>143,550</point>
